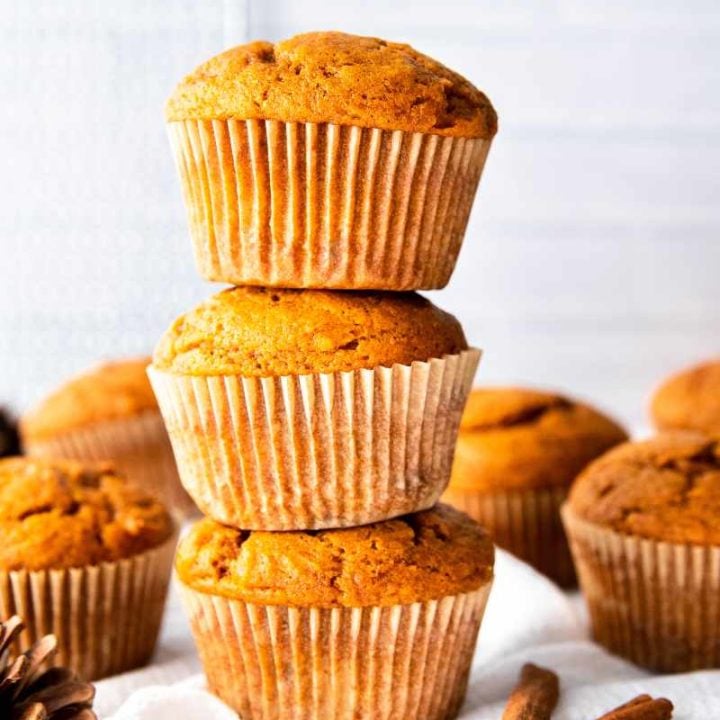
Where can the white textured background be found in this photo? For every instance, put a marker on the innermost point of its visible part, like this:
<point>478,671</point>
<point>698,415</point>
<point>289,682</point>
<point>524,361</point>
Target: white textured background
<point>592,261</point>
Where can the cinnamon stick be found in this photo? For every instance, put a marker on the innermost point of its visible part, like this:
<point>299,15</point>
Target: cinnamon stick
<point>535,696</point>
<point>642,707</point>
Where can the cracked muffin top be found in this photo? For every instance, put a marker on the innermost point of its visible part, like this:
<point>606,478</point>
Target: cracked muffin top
<point>332,77</point>
<point>260,332</point>
<point>110,391</point>
<point>666,489</point>
<point>64,514</point>
<point>414,558</point>
<point>517,438</point>
<point>689,400</point>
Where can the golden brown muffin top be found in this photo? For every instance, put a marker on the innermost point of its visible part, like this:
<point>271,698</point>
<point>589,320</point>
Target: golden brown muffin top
<point>415,558</point>
<point>332,77</point>
<point>517,438</point>
<point>689,400</point>
<point>259,332</point>
<point>666,488</point>
<point>61,514</point>
<point>110,391</point>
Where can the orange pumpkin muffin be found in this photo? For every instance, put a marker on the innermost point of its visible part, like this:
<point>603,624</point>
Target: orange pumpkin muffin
<point>322,77</point>
<point>343,612</point>
<point>644,527</point>
<point>109,413</point>
<point>328,160</point>
<point>84,555</point>
<point>296,409</point>
<point>689,400</point>
<point>111,391</point>
<point>518,451</point>
<point>256,332</point>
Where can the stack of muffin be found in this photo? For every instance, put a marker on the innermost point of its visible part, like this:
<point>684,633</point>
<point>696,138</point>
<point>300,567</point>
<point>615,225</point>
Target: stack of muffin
<point>313,414</point>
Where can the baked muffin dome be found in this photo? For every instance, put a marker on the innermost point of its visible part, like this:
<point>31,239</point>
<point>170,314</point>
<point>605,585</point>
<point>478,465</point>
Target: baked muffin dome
<point>665,489</point>
<point>110,391</point>
<point>259,332</point>
<point>517,438</point>
<point>63,514</point>
<point>414,558</point>
<point>332,77</point>
<point>689,400</point>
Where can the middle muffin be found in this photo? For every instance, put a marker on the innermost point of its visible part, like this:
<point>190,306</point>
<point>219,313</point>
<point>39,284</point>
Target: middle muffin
<point>302,409</point>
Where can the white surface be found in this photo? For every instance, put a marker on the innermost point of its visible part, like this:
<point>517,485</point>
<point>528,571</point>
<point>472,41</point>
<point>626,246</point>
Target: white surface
<point>528,619</point>
<point>592,256</point>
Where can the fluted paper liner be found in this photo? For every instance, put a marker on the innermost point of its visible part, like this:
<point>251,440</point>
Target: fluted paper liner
<point>402,662</point>
<point>655,603</point>
<point>316,451</point>
<point>106,617</point>
<point>321,205</point>
<point>138,446</point>
<point>524,522</point>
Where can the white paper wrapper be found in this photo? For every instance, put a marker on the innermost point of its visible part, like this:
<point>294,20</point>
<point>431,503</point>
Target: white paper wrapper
<point>402,662</point>
<point>139,448</point>
<point>320,205</point>
<point>655,603</point>
<point>106,617</point>
<point>316,451</point>
<point>524,522</point>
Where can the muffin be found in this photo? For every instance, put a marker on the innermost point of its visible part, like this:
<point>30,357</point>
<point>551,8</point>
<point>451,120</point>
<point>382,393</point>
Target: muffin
<point>518,452</point>
<point>86,556</point>
<point>109,413</point>
<point>300,409</point>
<point>689,400</point>
<point>328,160</point>
<point>644,528</point>
<point>365,622</point>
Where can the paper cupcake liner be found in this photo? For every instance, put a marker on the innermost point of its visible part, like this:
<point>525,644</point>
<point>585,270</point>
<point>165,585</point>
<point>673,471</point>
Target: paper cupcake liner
<point>316,451</point>
<point>106,617</point>
<point>402,662</point>
<point>654,603</point>
<point>138,446</point>
<point>320,205</point>
<point>524,522</point>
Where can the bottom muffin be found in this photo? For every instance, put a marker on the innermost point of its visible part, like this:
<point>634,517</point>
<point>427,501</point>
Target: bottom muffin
<point>361,623</point>
<point>85,556</point>
<point>644,528</point>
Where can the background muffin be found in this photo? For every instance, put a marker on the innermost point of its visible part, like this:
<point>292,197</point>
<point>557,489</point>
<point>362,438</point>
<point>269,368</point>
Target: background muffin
<point>644,527</point>
<point>87,556</point>
<point>328,160</point>
<point>330,622</point>
<point>518,452</point>
<point>292,409</point>
<point>109,413</point>
<point>689,400</point>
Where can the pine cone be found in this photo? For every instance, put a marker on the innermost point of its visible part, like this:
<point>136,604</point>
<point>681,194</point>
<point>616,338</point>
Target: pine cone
<point>29,693</point>
<point>9,436</point>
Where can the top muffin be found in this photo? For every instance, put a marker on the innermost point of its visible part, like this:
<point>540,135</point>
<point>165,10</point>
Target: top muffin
<point>110,391</point>
<point>410,559</point>
<point>665,489</point>
<point>61,514</point>
<point>689,400</point>
<point>519,438</point>
<point>258,332</point>
<point>337,78</point>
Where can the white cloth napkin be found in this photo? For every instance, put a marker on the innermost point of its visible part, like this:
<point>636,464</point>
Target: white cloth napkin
<point>528,619</point>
